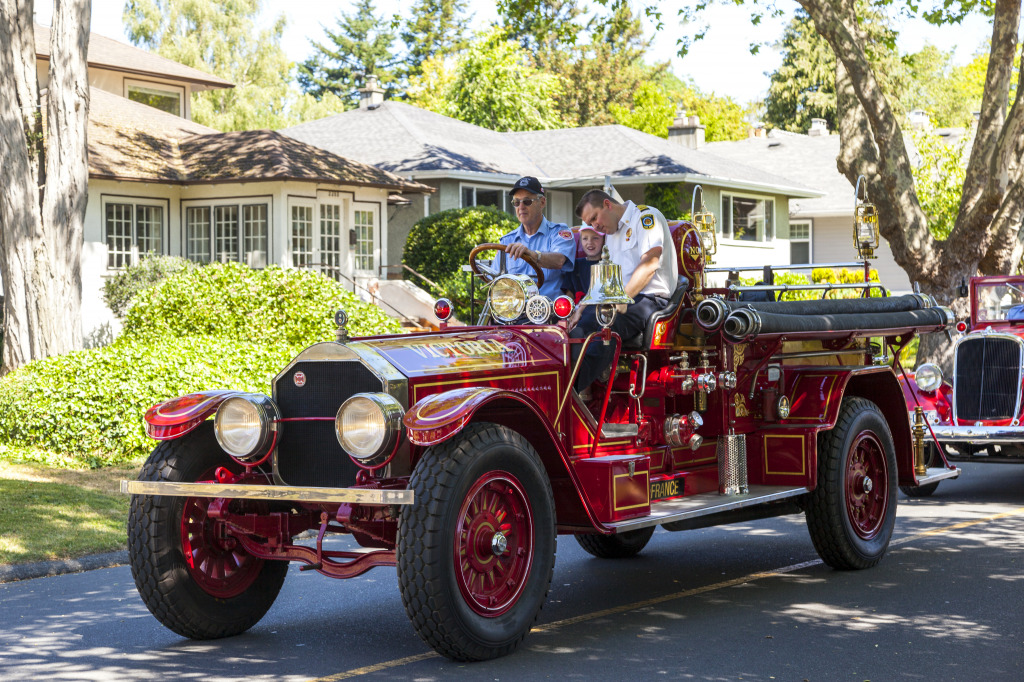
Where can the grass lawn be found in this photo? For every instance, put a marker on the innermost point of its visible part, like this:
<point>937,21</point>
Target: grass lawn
<point>52,513</point>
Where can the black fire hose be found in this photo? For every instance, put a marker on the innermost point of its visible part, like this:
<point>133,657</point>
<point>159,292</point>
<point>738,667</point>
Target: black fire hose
<point>711,312</point>
<point>744,324</point>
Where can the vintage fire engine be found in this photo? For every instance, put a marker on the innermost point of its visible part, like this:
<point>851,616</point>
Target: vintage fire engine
<point>976,416</point>
<point>459,455</point>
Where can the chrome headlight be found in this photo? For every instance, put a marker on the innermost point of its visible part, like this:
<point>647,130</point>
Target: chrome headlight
<point>508,296</point>
<point>245,426</point>
<point>928,377</point>
<point>368,427</point>
<point>538,309</point>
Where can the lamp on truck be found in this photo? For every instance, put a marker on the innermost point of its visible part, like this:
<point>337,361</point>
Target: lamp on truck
<point>704,221</point>
<point>865,223</point>
<point>246,427</point>
<point>368,427</point>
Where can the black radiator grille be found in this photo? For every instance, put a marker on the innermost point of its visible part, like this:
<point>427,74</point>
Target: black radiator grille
<point>986,379</point>
<point>308,453</point>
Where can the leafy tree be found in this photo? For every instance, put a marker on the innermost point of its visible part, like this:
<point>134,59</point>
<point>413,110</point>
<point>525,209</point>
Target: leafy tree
<point>434,28</point>
<point>939,177</point>
<point>44,171</point>
<point>495,86</point>
<point>542,27</point>
<point>652,111</point>
<point>361,45</point>
<point>722,117</point>
<point>804,85</point>
<point>949,94</point>
<point>220,37</point>
<point>667,198</point>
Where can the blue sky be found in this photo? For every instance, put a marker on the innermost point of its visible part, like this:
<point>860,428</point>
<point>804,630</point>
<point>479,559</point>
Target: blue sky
<point>721,63</point>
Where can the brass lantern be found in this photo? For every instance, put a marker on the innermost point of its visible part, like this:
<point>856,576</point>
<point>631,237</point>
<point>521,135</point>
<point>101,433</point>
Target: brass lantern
<point>865,223</point>
<point>704,221</point>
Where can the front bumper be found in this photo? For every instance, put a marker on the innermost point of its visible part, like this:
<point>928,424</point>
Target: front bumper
<point>979,435</point>
<point>283,493</point>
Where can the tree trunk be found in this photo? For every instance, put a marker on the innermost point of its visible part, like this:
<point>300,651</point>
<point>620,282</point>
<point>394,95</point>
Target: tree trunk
<point>42,210</point>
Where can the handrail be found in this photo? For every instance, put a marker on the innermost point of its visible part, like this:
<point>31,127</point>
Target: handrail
<point>376,298</point>
<point>406,267</point>
<point>800,266</point>
<point>825,286</point>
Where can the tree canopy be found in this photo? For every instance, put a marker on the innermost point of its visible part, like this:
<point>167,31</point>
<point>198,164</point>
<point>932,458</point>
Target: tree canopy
<point>433,29</point>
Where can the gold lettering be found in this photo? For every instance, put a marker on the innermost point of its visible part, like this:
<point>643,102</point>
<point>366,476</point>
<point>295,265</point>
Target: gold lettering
<point>663,489</point>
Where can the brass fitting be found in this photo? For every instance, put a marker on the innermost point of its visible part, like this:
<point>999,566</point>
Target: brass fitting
<point>920,466</point>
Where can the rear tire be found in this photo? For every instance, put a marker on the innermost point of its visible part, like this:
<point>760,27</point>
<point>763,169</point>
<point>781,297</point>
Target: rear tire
<point>618,546</point>
<point>477,549</point>
<point>852,512</point>
<point>196,580</point>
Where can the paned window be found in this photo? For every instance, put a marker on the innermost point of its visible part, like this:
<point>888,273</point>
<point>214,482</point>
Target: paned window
<point>302,236</point>
<point>799,242</point>
<point>748,219</point>
<point>482,196</point>
<point>330,240</point>
<point>132,231</point>
<point>228,233</point>
<point>364,223</point>
<point>164,100</point>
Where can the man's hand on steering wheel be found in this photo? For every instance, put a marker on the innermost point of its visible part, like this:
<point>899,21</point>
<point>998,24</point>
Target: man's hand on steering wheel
<point>487,272</point>
<point>518,250</point>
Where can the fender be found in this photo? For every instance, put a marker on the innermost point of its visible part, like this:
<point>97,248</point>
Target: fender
<point>175,417</point>
<point>939,401</point>
<point>440,416</point>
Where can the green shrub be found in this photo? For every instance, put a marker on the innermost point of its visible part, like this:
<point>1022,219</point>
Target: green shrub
<point>439,245</point>
<point>235,301</point>
<point>818,276</point>
<point>220,326</point>
<point>119,290</point>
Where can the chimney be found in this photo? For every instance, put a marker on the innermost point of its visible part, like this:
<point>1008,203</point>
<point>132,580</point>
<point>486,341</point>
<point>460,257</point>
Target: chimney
<point>757,129</point>
<point>819,127</point>
<point>686,130</point>
<point>371,96</point>
<point>919,119</point>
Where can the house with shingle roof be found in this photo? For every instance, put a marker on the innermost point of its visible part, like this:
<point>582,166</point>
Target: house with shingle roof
<point>820,228</point>
<point>161,183</point>
<point>469,165</point>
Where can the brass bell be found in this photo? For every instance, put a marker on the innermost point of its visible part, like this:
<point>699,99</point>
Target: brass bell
<point>606,290</point>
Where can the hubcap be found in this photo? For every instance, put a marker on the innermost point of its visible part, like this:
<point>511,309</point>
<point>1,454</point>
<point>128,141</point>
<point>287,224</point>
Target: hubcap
<point>494,539</point>
<point>866,503</point>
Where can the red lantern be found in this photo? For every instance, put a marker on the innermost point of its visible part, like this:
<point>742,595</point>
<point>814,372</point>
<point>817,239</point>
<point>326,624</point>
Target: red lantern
<point>443,309</point>
<point>563,307</point>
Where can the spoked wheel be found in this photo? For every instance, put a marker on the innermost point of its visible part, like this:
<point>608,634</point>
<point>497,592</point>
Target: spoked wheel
<point>927,489</point>
<point>618,546</point>
<point>477,548</point>
<point>193,575</point>
<point>852,512</point>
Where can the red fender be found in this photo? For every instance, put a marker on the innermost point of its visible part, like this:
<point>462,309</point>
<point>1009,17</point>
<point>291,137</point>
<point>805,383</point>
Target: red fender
<point>174,418</point>
<point>442,415</point>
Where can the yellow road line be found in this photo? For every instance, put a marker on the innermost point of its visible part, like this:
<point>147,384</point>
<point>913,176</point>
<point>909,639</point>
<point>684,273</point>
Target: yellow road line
<point>625,608</point>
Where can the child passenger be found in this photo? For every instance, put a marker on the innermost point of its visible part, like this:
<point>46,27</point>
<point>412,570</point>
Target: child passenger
<point>591,243</point>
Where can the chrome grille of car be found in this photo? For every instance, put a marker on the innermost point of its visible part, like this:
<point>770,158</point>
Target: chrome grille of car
<point>986,378</point>
<point>308,453</point>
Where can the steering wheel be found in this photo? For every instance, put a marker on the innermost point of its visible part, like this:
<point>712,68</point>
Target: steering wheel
<point>488,273</point>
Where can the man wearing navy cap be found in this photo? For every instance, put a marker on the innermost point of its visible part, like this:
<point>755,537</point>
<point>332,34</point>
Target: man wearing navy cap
<point>551,244</point>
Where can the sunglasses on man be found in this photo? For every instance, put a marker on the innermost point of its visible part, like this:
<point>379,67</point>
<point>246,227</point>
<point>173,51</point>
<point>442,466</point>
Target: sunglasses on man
<point>525,202</point>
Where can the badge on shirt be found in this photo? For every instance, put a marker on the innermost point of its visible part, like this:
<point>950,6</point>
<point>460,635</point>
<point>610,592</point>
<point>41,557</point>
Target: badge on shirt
<point>647,221</point>
<point>565,234</point>
<point>629,233</point>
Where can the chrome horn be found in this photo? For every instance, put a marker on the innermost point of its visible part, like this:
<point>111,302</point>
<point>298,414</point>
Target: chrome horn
<point>606,290</point>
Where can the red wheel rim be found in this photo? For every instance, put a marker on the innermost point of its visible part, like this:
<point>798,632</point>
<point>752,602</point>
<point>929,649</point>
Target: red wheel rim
<point>215,559</point>
<point>867,485</point>
<point>494,544</point>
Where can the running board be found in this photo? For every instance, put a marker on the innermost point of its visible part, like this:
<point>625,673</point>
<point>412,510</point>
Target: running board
<point>936,474</point>
<point>705,504</point>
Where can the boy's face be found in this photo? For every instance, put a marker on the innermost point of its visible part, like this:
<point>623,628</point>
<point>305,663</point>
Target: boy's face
<point>591,242</point>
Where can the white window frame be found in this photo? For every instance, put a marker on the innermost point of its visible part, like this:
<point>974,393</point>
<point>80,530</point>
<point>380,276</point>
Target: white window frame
<point>334,262</point>
<point>375,239</point>
<point>761,242</point>
<point>502,192</point>
<point>130,84</point>
<point>134,254</point>
<point>809,240</point>
<point>296,203</point>
<point>240,255</point>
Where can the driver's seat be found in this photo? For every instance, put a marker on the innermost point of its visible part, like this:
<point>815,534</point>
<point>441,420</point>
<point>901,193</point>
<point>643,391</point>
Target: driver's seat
<point>645,339</point>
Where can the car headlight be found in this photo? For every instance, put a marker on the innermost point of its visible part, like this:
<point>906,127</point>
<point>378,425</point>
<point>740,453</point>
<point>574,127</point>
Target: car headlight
<point>508,296</point>
<point>368,426</point>
<point>928,377</point>
<point>245,426</point>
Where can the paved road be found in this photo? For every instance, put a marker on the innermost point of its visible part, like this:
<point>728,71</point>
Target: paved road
<point>743,602</point>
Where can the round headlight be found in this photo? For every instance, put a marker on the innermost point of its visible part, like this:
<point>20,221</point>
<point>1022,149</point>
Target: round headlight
<point>538,309</point>
<point>928,377</point>
<point>507,298</point>
<point>368,426</point>
<point>244,426</point>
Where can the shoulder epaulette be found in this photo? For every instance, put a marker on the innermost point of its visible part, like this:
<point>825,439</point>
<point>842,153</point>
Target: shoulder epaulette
<point>642,207</point>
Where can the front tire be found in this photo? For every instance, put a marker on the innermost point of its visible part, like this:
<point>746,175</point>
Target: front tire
<point>852,512</point>
<point>196,579</point>
<point>618,546</point>
<point>477,549</point>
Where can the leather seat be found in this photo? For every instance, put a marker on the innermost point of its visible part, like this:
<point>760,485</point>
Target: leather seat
<point>642,341</point>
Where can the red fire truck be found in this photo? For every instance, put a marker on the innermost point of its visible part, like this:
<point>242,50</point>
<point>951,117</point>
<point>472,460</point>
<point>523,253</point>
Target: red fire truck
<point>459,455</point>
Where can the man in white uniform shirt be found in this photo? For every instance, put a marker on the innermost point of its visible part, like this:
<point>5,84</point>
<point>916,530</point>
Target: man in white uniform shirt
<point>637,237</point>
